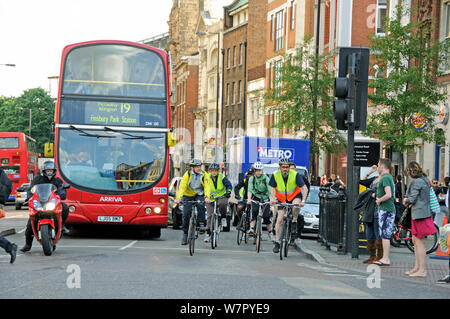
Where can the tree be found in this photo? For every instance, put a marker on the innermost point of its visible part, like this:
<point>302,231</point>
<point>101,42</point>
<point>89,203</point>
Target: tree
<point>406,62</point>
<point>14,115</point>
<point>302,98</point>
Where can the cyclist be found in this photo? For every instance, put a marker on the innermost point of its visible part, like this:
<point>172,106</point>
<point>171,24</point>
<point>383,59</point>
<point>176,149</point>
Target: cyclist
<point>240,192</point>
<point>220,186</point>
<point>287,187</point>
<point>194,185</point>
<point>259,190</point>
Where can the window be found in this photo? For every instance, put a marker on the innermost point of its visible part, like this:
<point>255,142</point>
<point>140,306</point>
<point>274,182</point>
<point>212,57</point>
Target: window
<point>241,53</point>
<point>234,93</point>
<point>228,95</point>
<point>228,58</point>
<point>277,78</point>
<point>447,19</point>
<point>279,31</point>
<point>271,27</point>
<point>234,56</point>
<point>381,16</point>
<point>239,91</point>
<point>292,15</point>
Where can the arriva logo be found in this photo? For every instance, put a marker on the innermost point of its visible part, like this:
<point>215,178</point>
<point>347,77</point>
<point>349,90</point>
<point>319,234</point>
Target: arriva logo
<point>265,152</point>
<point>111,199</point>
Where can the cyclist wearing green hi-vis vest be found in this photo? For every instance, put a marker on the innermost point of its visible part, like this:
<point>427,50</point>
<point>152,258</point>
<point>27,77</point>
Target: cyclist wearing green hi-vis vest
<point>220,189</point>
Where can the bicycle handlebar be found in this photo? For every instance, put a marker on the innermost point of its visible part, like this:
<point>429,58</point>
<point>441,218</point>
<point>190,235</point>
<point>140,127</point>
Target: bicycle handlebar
<point>259,203</point>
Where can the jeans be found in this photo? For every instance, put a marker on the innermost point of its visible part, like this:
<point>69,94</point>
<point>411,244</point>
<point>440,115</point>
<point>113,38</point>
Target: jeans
<point>5,244</point>
<point>372,230</point>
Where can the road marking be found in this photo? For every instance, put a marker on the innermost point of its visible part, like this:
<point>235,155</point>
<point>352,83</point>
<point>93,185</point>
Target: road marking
<point>129,245</point>
<point>21,231</point>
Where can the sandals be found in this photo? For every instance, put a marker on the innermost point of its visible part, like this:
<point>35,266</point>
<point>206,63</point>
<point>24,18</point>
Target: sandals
<point>380,263</point>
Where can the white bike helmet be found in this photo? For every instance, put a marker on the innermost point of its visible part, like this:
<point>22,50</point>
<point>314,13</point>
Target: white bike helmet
<point>258,165</point>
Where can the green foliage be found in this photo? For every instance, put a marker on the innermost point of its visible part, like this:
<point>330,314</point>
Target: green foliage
<point>302,98</point>
<point>15,115</point>
<point>407,64</point>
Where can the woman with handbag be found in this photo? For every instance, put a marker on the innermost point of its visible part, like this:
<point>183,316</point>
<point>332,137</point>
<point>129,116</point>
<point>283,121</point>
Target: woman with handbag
<point>422,225</point>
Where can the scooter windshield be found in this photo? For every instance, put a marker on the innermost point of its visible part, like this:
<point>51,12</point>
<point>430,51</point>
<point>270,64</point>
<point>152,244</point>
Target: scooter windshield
<point>43,191</point>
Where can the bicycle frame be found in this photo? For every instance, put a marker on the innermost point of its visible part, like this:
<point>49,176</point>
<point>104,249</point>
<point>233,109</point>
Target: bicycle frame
<point>258,228</point>
<point>286,228</point>
<point>193,231</point>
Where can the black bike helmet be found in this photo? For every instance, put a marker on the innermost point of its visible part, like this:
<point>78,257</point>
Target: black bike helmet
<point>214,166</point>
<point>284,161</point>
<point>251,171</point>
<point>49,165</point>
<point>195,162</point>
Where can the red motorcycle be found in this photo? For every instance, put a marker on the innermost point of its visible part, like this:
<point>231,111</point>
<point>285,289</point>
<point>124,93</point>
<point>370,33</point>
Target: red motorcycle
<point>45,211</point>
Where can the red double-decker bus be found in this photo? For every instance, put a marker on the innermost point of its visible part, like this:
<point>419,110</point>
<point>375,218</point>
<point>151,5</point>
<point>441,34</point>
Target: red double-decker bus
<point>19,159</point>
<point>112,123</point>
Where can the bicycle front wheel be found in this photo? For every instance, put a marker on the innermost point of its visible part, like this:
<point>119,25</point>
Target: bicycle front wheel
<point>258,234</point>
<point>241,229</point>
<point>287,238</point>
<point>283,241</point>
<point>213,231</point>
<point>191,236</point>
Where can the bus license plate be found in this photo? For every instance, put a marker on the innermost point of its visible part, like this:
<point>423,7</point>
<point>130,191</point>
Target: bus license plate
<point>110,219</point>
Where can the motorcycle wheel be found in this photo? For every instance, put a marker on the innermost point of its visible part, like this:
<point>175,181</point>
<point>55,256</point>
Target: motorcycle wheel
<point>47,244</point>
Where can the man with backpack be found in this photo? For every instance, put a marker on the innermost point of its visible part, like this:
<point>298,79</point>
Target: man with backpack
<point>259,190</point>
<point>193,186</point>
<point>5,190</point>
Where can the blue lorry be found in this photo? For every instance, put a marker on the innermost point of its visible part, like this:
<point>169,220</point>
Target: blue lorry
<point>243,151</point>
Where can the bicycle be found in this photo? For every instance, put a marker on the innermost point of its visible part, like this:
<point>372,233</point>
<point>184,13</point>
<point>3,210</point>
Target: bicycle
<point>258,226</point>
<point>216,225</point>
<point>243,226</point>
<point>193,229</point>
<point>402,234</point>
<point>286,228</point>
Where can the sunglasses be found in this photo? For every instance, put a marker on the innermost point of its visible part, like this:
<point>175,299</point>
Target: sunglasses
<point>285,166</point>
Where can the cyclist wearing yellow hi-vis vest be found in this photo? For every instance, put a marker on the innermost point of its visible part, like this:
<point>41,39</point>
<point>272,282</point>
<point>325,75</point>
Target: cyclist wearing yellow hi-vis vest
<point>220,190</point>
<point>194,185</point>
<point>287,187</point>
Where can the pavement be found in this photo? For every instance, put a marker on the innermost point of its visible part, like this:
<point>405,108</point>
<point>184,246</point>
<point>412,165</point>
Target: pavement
<point>401,258</point>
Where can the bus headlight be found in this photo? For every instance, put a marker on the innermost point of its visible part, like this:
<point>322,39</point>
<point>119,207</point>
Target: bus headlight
<point>148,210</point>
<point>72,209</point>
<point>157,210</point>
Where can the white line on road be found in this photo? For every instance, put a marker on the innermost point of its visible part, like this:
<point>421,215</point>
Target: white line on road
<point>129,245</point>
<point>21,231</point>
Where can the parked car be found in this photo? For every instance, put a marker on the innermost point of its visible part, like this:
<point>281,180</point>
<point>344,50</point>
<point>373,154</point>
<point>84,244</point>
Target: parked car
<point>21,195</point>
<point>311,210</point>
<point>175,213</point>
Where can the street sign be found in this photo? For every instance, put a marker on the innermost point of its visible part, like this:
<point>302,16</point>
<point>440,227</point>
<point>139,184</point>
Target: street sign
<point>366,153</point>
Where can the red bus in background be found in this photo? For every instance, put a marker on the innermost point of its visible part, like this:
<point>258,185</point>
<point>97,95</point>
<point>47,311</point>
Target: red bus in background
<point>18,158</point>
<point>112,123</point>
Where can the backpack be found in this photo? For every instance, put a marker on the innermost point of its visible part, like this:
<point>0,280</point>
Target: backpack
<point>5,186</point>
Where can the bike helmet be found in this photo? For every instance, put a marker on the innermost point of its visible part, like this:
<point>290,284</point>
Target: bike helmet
<point>195,162</point>
<point>258,165</point>
<point>49,165</point>
<point>284,161</point>
<point>214,166</point>
<point>250,171</point>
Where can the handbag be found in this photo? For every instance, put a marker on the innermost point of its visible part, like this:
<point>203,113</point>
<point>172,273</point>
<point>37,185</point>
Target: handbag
<point>434,203</point>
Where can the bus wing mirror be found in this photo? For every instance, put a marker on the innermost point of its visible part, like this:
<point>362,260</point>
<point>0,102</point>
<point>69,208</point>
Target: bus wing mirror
<point>66,186</point>
<point>171,139</point>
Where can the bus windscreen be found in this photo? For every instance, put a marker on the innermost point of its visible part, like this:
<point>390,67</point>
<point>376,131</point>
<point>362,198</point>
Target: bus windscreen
<point>114,70</point>
<point>9,142</point>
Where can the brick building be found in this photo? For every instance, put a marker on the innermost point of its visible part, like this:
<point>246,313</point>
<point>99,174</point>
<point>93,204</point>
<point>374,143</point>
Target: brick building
<point>234,69</point>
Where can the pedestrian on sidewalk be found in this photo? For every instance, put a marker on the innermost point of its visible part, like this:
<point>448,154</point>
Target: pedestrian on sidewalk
<point>5,190</point>
<point>386,208</point>
<point>370,218</point>
<point>422,225</point>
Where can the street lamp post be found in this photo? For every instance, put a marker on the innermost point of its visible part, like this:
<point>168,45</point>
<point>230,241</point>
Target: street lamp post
<point>29,109</point>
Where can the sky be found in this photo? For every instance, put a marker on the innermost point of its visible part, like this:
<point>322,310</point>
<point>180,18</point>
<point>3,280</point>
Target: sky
<point>33,33</point>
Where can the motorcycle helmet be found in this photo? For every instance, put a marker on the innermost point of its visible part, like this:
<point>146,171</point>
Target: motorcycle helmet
<point>49,165</point>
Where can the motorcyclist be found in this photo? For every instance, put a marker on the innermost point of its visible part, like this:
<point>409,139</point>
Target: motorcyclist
<point>47,177</point>
<point>194,185</point>
<point>220,186</point>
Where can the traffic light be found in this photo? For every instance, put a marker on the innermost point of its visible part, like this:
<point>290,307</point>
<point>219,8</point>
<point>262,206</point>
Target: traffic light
<point>353,67</point>
<point>342,104</point>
